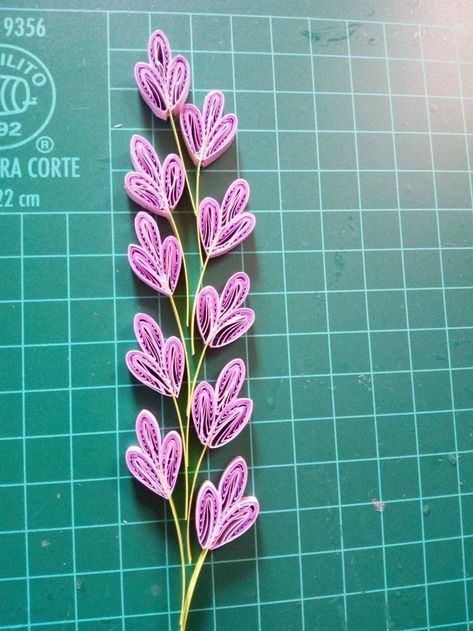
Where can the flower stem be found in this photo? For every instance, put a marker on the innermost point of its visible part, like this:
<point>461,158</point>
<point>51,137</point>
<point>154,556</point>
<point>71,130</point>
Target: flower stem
<point>179,149</point>
<point>194,383</point>
<point>197,202</point>
<point>181,552</point>
<point>186,454</point>
<point>194,305</point>
<point>183,341</point>
<point>188,413</point>
<point>181,426</point>
<point>184,264</point>
<point>189,503</point>
<point>191,588</point>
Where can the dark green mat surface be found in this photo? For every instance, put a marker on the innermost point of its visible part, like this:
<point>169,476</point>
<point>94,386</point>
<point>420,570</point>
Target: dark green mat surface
<point>356,137</point>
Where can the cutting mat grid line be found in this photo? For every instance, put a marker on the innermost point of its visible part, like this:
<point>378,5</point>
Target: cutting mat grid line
<point>299,620</point>
<point>253,15</point>
<point>116,357</point>
<point>356,140</point>
<point>445,311</point>
<point>247,357</point>
<point>368,321</point>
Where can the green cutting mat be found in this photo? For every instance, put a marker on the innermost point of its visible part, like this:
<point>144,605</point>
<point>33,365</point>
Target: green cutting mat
<point>356,137</point>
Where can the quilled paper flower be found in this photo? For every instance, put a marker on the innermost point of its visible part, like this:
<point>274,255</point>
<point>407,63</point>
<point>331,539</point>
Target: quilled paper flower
<point>218,414</point>
<point>156,462</point>
<point>222,514</point>
<point>156,263</point>
<point>223,227</point>
<point>163,82</point>
<point>221,318</point>
<point>159,365</point>
<point>209,134</point>
<point>155,187</point>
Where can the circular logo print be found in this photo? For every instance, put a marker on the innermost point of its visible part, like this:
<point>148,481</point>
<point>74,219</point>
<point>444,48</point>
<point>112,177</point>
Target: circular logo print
<point>27,96</point>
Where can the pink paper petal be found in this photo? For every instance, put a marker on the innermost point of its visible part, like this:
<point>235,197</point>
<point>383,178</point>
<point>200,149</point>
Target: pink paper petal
<point>159,365</point>
<point>219,415</point>
<point>233,482</point>
<point>233,234</point>
<point>146,193</point>
<point>149,372</point>
<point>207,135</point>
<point>149,335</point>
<point>230,382</point>
<point>232,327</point>
<point>178,83</point>
<point>209,223</point>
<point>213,110</point>
<point>173,179</point>
<point>235,291</point>
<point>159,51</point>
<point>220,138</point>
<point>155,188</point>
<point>207,312</point>
<point>164,82</point>
<point>174,363</point>
<point>144,158</point>
<point>203,411</point>
<point>223,514</point>
<point>236,522</point>
<point>155,463</point>
<point>224,228</point>
<point>235,199</point>
<point>207,513</point>
<point>221,319</point>
<point>151,87</point>
<point>156,263</point>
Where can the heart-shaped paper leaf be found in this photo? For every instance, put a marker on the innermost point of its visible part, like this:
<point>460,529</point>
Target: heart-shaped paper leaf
<point>222,319</point>
<point>209,134</point>
<point>159,365</point>
<point>155,463</point>
<point>224,227</point>
<point>156,263</point>
<point>218,414</point>
<point>223,514</point>
<point>163,82</point>
<point>155,187</point>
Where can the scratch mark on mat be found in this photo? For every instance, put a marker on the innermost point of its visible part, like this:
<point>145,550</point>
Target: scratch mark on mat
<point>330,34</point>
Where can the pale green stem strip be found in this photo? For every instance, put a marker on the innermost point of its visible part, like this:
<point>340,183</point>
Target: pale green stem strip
<point>183,341</point>
<point>179,149</point>
<point>197,202</point>
<point>184,265</point>
<point>186,454</point>
<point>181,553</point>
<point>194,383</point>
<point>189,505</point>
<point>194,305</point>
<point>191,588</point>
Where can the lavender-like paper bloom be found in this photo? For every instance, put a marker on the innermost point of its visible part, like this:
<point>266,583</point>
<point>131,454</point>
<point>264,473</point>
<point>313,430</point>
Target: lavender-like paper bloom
<point>163,82</point>
<point>156,462</point>
<point>155,187</point>
<point>209,134</point>
<point>218,414</point>
<point>156,263</point>
<point>224,227</point>
<point>159,365</point>
<point>222,319</point>
<point>223,514</point>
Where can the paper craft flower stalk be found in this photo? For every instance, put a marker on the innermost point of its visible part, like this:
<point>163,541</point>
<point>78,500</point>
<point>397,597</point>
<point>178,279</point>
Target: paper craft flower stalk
<point>217,412</point>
